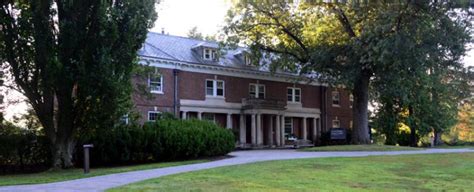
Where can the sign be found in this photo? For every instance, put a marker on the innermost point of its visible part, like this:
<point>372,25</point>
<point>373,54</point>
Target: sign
<point>338,134</point>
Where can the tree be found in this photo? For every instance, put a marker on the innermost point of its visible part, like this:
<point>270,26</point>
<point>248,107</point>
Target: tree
<point>195,34</point>
<point>346,42</point>
<point>464,129</point>
<point>72,60</point>
<point>426,79</point>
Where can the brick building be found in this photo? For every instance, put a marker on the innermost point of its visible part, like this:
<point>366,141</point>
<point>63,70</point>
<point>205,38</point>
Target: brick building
<point>192,79</point>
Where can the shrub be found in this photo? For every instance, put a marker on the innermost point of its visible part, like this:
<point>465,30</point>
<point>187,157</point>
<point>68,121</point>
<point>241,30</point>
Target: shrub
<point>22,150</point>
<point>166,139</point>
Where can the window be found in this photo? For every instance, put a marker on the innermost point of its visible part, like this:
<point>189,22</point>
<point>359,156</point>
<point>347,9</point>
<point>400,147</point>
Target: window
<point>351,99</point>
<point>124,119</point>
<point>209,117</point>
<point>248,59</point>
<point>350,124</point>
<point>215,88</point>
<point>336,123</point>
<point>335,98</point>
<point>257,91</point>
<point>288,127</point>
<point>209,54</point>
<point>155,83</point>
<point>294,94</point>
<point>153,115</point>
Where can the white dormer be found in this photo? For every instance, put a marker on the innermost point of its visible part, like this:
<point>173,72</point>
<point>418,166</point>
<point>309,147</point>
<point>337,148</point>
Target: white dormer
<point>244,56</point>
<point>209,54</point>
<point>207,51</point>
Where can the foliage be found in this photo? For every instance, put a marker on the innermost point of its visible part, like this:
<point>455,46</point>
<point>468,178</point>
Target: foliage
<point>73,61</point>
<point>22,150</point>
<point>195,34</point>
<point>463,131</point>
<point>166,139</point>
<point>387,46</point>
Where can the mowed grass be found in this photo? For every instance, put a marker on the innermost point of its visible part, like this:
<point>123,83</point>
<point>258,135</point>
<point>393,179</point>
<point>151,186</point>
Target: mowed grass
<point>69,174</point>
<point>360,148</point>
<point>438,172</point>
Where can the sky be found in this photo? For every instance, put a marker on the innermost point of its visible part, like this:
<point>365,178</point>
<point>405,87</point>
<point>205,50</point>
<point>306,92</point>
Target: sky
<point>177,17</point>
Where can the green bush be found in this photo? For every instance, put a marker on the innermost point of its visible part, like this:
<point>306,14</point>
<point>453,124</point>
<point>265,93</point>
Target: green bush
<point>22,150</point>
<point>166,139</point>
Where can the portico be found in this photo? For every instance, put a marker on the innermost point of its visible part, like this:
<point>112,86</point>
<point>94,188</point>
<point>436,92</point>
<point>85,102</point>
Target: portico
<point>260,122</point>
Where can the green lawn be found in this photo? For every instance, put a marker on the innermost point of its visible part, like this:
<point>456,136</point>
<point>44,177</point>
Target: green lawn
<point>63,175</point>
<point>360,148</point>
<point>439,172</point>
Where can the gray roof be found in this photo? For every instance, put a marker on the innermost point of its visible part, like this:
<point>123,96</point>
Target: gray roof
<point>183,49</point>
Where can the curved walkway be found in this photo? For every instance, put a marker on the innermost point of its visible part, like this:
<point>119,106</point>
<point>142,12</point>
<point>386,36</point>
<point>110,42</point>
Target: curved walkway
<point>101,183</point>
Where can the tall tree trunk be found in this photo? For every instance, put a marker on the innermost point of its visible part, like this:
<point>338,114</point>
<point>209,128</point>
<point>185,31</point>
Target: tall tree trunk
<point>360,132</point>
<point>412,125</point>
<point>437,138</point>
<point>64,145</point>
<point>62,153</point>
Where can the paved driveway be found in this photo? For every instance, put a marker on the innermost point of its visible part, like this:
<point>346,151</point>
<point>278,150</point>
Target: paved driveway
<point>101,183</point>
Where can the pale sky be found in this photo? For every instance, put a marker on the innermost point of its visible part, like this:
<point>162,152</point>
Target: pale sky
<point>177,17</point>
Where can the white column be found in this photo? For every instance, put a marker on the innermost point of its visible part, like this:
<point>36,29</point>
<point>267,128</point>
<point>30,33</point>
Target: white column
<point>254,130</point>
<point>229,121</point>
<point>243,130</point>
<point>315,130</point>
<point>278,130</point>
<point>259,130</point>
<point>305,128</point>
<point>199,115</point>
<point>282,130</point>
<point>185,113</point>
<point>270,131</point>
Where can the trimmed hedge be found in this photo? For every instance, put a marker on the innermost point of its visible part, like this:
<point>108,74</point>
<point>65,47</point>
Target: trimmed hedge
<point>166,139</point>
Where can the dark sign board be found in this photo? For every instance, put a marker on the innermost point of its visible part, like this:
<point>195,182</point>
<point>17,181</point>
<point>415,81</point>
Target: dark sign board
<point>338,134</point>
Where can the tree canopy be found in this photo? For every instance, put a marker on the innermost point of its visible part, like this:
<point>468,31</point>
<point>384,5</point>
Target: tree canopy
<point>72,60</point>
<point>368,46</point>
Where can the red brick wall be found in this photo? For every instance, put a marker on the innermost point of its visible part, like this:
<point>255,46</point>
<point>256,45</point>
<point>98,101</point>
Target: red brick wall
<point>159,100</point>
<point>343,112</point>
<point>192,86</point>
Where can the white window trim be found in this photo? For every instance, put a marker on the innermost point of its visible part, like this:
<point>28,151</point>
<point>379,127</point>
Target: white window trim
<point>338,122</point>
<point>351,100</point>
<point>212,54</point>
<point>257,90</point>
<point>157,112</point>
<point>125,118</point>
<point>339,99</point>
<point>248,60</point>
<point>214,88</point>
<point>153,91</point>
<point>293,95</point>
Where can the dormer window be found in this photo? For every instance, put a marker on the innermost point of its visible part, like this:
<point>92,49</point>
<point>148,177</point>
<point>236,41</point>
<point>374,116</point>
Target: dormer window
<point>248,60</point>
<point>209,54</point>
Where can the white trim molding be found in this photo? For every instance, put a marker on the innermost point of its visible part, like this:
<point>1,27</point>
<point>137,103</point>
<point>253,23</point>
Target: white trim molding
<point>226,71</point>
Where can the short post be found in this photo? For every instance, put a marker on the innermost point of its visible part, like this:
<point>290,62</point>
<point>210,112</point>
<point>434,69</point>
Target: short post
<point>86,157</point>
